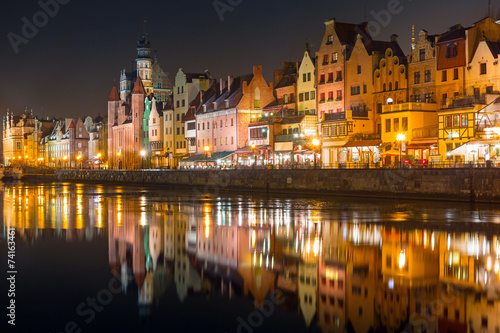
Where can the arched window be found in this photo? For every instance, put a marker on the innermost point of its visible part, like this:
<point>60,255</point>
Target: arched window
<point>256,98</point>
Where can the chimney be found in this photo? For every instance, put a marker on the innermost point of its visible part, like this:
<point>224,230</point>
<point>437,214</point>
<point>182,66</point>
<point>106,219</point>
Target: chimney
<point>222,84</point>
<point>394,38</point>
<point>230,80</point>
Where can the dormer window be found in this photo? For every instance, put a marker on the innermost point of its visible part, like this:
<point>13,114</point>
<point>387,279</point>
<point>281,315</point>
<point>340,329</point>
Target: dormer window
<point>451,51</point>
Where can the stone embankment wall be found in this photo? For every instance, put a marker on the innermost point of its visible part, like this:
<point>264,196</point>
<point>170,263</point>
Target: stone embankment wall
<point>480,184</point>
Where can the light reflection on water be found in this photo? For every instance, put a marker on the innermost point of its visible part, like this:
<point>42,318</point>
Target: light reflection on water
<point>345,265</point>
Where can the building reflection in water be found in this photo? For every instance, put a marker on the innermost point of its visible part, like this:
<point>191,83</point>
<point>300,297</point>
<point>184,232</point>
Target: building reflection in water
<point>341,272</point>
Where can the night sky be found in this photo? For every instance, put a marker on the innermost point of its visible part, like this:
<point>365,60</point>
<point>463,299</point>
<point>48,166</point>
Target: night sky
<point>68,68</point>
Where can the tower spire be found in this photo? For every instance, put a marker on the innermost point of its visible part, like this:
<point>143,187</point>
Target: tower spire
<point>413,37</point>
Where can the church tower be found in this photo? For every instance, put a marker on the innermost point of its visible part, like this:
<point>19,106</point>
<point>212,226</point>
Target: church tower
<point>144,63</point>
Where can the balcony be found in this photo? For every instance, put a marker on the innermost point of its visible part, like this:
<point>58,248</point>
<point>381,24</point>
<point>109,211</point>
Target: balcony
<point>409,107</point>
<point>360,113</point>
<point>467,101</point>
<point>425,132</point>
<point>283,138</point>
<point>334,116</point>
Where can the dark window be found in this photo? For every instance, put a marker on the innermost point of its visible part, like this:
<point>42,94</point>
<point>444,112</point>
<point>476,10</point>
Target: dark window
<point>455,74</point>
<point>451,51</point>
<point>364,88</point>
<point>483,68</point>
<point>427,75</point>
<point>416,78</point>
<point>339,75</point>
<point>489,90</point>
<point>304,77</point>
<point>359,69</point>
<point>422,54</point>
<point>444,76</point>
<point>484,322</point>
<point>355,90</point>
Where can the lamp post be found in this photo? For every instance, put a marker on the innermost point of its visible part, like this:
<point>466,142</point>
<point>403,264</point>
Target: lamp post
<point>78,159</point>
<point>119,154</point>
<point>65,159</point>
<point>254,154</point>
<point>206,149</point>
<point>53,162</point>
<point>400,138</point>
<point>99,160</point>
<point>143,154</point>
<point>168,158</point>
<point>315,143</point>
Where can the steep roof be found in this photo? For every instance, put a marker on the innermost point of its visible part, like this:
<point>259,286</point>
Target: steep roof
<point>453,33</point>
<point>347,32</point>
<point>289,77</point>
<point>292,120</point>
<point>138,87</point>
<point>114,96</point>
<point>191,76</point>
<point>494,48</point>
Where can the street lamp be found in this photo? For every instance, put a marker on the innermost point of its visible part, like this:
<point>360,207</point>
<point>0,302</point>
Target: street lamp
<point>143,154</point>
<point>99,160</point>
<point>315,143</point>
<point>78,159</point>
<point>254,146</point>
<point>119,154</point>
<point>207,149</point>
<point>400,138</point>
<point>65,159</point>
<point>168,158</point>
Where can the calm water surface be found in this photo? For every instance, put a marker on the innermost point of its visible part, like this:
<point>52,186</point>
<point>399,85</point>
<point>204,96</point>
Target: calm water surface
<point>101,258</point>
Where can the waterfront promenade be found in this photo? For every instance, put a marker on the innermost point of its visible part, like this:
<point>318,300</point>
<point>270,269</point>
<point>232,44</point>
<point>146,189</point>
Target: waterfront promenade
<point>452,184</point>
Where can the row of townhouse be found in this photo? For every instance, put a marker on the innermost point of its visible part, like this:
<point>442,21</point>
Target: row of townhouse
<point>374,103</point>
<point>359,100</point>
<point>60,143</point>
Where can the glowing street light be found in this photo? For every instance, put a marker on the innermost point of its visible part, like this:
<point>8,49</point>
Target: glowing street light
<point>119,154</point>
<point>78,159</point>
<point>254,149</point>
<point>400,138</point>
<point>315,143</point>
<point>143,154</point>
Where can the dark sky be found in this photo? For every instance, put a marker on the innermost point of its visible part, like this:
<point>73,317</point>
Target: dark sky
<point>69,67</point>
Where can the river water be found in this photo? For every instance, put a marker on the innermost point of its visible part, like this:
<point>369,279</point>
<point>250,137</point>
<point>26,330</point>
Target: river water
<point>101,258</point>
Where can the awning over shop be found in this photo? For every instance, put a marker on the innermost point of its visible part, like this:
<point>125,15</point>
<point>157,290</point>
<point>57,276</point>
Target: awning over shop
<point>390,153</point>
<point>467,148</point>
<point>421,144</point>
<point>462,150</point>
<point>213,157</point>
<point>484,142</point>
<point>370,143</point>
